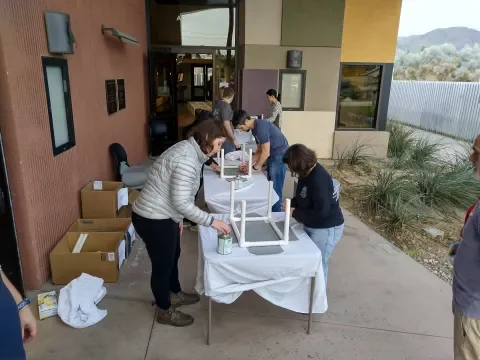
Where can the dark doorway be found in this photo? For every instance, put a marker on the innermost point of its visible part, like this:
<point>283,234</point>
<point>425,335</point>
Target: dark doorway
<point>9,256</point>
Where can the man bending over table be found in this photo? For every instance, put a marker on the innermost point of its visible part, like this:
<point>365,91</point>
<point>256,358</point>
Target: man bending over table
<point>271,146</point>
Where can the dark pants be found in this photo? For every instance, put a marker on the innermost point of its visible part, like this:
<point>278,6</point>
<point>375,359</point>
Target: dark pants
<point>276,171</point>
<point>228,146</point>
<point>162,239</point>
<point>11,343</point>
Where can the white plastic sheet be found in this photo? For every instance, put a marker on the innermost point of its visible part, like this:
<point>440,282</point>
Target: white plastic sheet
<point>282,279</point>
<point>255,192</point>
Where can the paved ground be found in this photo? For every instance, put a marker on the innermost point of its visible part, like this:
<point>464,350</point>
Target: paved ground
<point>451,148</point>
<point>383,305</point>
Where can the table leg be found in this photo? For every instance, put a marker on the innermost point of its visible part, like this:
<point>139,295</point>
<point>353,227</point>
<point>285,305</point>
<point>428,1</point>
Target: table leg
<point>310,315</point>
<point>209,326</point>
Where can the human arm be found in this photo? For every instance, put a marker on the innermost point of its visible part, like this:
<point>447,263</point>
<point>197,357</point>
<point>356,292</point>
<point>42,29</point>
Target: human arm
<point>263,154</point>
<point>29,324</point>
<point>321,196</point>
<point>183,180</point>
<point>228,128</point>
<point>212,164</point>
<point>274,112</point>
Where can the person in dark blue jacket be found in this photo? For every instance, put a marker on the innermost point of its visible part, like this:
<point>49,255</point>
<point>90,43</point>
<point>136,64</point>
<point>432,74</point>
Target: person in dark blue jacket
<point>17,323</point>
<point>316,201</point>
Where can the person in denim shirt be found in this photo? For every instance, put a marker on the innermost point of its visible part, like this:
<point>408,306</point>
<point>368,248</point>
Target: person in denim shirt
<point>271,146</point>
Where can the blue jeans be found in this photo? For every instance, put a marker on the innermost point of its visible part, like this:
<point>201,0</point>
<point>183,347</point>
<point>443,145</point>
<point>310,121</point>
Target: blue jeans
<point>228,146</point>
<point>276,170</point>
<point>325,239</point>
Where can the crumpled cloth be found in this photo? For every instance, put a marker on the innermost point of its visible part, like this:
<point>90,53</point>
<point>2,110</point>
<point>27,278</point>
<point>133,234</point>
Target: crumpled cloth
<point>77,303</point>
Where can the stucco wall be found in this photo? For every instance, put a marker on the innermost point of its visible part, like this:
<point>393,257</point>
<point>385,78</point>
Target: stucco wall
<point>45,189</point>
<point>370,30</point>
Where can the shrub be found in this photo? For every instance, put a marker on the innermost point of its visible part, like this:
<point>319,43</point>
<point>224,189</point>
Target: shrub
<point>424,152</point>
<point>385,188</point>
<point>401,139</point>
<point>355,155</point>
<point>446,187</point>
<point>401,213</point>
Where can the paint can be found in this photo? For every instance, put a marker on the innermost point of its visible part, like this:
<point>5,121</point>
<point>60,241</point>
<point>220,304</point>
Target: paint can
<point>224,244</point>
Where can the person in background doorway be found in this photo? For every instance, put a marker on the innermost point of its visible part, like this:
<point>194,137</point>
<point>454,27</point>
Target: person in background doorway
<point>466,282</point>
<point>17,323</point>
<point>316,201</point>
<point>275,111</point>
<point>187,132</point>
<point>223,111</point>
<point>167,198</point>
<point>271,146</point>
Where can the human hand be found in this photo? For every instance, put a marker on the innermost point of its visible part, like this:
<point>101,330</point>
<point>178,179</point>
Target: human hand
<point>237,145</point>
<point>221,226</point>
<point>29,324</point>
<point>244,168</point>
<point>291,211</point>
<point>217,168</point>
<point>284,205</point>
<point>180,227</point>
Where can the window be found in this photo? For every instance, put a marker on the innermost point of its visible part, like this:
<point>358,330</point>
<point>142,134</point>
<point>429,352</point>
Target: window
<point>360,86</point>
<point>187,24</point>
<point>292,89</point>
<point>57,86</point>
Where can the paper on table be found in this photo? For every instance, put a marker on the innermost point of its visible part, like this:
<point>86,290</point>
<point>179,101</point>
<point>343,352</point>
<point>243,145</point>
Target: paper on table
<point>122,198</point>
<point>121,253</point>
<point>97,185</point>
<point>131,231</point>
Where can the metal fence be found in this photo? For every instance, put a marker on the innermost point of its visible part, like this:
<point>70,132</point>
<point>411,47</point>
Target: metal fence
<point>449,108</point>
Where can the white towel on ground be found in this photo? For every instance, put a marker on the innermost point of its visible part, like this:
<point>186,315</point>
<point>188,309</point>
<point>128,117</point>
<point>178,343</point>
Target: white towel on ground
<point>77,302</point>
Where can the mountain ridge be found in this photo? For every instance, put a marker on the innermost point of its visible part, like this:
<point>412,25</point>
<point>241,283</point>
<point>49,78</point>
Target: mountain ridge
<point>458,36</point>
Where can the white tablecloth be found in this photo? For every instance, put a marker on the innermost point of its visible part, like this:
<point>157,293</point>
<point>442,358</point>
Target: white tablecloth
<point>217,193</point>
<point>283,279</point>
<point>246,138</point>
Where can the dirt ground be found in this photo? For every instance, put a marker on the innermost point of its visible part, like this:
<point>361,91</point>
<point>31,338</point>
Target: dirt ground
<point>413,240</point>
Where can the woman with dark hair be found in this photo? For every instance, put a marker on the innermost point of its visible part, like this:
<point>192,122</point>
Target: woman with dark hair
<point>186,133</point>
<point>165,200</point>
<point>316,202</point>
<point>275,112</point>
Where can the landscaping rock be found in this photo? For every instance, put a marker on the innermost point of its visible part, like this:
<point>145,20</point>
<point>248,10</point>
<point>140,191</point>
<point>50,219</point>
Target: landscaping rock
<point>351,181</point>
<point>434,233</point>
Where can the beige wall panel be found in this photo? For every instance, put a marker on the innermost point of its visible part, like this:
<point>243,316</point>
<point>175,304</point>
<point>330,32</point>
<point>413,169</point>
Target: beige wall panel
<point>263,22</point>
<point>312,128</point>
<point>376,143</point>
<point>322,65</point>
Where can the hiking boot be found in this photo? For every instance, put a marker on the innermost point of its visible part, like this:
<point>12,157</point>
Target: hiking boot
<point>173,317</point>
<point>182,299</point>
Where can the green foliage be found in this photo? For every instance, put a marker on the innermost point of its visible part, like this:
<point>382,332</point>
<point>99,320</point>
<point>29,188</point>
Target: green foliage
<point>424,152</point>
<point>401,139</point>
<point>446,187</point>
<point>357,154</point>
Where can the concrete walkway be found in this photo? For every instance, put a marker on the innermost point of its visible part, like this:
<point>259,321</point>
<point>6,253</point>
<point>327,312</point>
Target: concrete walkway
<point>383,305</point>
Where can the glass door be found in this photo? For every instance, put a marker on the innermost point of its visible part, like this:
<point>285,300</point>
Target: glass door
<point>199,83</point>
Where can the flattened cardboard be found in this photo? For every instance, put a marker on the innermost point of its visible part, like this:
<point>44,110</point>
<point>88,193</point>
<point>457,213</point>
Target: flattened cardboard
<point>99,257</point>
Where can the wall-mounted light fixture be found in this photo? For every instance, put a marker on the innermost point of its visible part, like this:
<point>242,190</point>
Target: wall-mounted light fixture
<point>121,36</point>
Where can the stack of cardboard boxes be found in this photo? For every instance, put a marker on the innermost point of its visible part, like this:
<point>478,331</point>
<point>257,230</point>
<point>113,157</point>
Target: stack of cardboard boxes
<point>106,219</point>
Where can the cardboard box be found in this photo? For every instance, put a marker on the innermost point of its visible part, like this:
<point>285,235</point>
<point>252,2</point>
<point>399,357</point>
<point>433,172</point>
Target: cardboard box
<point>126,212</point>
<point>120,224</point>
<point>102,255</point>
<point>104,203</point>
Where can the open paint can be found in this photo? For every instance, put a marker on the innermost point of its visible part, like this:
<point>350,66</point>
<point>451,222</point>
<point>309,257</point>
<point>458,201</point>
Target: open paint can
<point>224,245</point>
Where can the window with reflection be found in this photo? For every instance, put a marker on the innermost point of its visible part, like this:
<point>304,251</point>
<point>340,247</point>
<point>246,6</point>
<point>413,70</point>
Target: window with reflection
<point>193,23</point>
<point>358,96</point>
<point>292,89</point>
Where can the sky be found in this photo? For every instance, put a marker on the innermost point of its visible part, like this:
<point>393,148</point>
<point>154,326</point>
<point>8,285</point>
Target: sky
<point>421,16</point>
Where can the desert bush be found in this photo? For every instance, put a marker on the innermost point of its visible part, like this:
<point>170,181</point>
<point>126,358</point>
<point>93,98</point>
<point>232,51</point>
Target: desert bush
<point>401,213</point>
<point>401,139</point>
<point>446,187</point>
<point>385,187</point>
<point>357,154</point>
<point>424,152</point>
